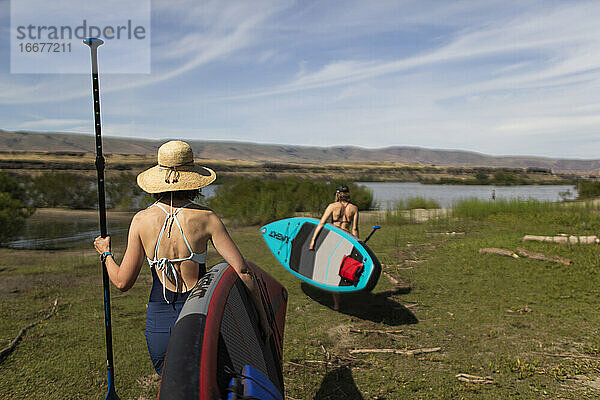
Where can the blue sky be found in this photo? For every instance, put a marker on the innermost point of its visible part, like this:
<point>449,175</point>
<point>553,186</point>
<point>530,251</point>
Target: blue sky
<point>497,77</point>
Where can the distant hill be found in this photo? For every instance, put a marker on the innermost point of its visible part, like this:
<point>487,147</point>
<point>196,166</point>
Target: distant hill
<point>217,150</point>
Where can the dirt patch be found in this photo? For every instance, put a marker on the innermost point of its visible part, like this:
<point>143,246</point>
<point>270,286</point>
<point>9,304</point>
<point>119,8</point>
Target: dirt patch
<point>13,286</point>
<point>341,336</point>
<point>150,381</point>
<point>149,384</point>
<point>593,383</point>
<point>46,214</point>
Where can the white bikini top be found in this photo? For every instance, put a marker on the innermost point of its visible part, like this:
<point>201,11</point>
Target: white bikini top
<point>165,265</point>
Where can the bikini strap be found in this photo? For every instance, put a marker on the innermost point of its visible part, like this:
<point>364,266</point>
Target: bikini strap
<point>163,264</point>
<point>342,217</point>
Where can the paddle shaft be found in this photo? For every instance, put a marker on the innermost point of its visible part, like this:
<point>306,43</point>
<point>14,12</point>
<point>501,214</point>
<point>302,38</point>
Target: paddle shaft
<point>370,234</point>
<point>94,44</point>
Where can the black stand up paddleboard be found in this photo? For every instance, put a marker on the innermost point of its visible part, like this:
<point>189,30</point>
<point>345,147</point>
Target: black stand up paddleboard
<point>217,340</point>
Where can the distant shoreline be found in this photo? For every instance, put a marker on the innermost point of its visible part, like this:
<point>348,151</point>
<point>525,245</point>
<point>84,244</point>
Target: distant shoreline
<point>34,163</point>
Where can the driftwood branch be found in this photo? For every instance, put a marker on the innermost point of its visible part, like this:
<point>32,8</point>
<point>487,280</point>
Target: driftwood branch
<point>397,351</point>
<point>543,257</point>
<point>395,332</point>
<point>564,239</point>
<point>500,252</point>
<point>7,350</point>
<point>391,278</point>
<point>474,378</point>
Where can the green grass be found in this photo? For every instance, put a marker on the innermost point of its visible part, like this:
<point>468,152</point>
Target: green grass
<point>417,202</point>
<point>479,209</point>
<point>452,297</point>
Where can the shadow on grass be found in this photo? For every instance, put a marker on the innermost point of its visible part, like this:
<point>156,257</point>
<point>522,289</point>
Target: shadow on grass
<point>338,384</point>
<point>375,307</point>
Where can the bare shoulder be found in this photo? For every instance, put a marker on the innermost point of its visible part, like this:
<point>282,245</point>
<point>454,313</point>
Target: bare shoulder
<point>139,217</point>
<point>210,215</point>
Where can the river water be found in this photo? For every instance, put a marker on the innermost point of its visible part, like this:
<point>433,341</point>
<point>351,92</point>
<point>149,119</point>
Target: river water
<point>53,231</point>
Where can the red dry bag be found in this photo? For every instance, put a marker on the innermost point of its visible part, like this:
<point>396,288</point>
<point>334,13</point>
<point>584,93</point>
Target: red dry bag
<point>351,270</point>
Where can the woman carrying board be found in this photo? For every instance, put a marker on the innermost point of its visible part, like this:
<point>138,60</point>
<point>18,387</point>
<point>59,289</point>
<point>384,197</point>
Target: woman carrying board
<point>173,234</point>
<point>343,214</point>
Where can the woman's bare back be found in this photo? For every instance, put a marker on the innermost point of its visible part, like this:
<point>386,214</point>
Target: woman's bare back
<point>194,221</point>
<point>343,214</point>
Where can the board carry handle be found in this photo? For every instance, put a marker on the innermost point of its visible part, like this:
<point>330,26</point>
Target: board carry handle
<point>375,228</point>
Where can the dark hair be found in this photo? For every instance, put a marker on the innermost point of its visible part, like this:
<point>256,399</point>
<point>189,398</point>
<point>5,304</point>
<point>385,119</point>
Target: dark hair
<point>342,196</point>
<point>342,189</point>
<point>177,195</point>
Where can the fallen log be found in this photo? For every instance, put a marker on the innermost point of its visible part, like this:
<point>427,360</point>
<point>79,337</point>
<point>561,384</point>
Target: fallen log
<point>7,350</point>
<point>397,351</point>
<point>543,257</point>
<point>563,239</point>
<point>500,252</point>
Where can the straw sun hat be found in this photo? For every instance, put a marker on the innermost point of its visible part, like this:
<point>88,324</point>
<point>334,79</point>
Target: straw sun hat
<point>175,170</point>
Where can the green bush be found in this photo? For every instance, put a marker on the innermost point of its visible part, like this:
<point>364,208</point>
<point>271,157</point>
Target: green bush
<point>123,193</point>
<point>255,201</point>
<point>63,189</point>
<point>482,178</point>
<point>13,212</point>
<point>508,179</point>
<point>587,189</point>
<point>72,190</point>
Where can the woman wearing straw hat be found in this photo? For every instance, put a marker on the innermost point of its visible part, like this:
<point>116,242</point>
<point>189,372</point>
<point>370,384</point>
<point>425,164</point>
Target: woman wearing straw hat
<point>343,214</point>
<point>172,234</point>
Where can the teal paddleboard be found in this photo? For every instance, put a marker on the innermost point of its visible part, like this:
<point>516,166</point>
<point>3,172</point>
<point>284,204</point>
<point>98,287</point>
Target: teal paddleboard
<point>289,240</point>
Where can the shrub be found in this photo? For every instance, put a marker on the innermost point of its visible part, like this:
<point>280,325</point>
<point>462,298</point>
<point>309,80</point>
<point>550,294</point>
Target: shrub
<point>13,211</point>
<point>587,189</point>
<point>482,178</point>
<point>256,201</point>
<point>123,193</point>
<point>62,189</point>
<point>508,179</point>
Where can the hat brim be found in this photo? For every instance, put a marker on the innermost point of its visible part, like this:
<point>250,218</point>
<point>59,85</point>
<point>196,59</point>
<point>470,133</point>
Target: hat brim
<point>189,178</point>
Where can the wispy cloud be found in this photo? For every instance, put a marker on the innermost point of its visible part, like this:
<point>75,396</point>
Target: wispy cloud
<point>487,76</point>
<point>53,124</point>
<point>559,53</point>
<point>229,30</point>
